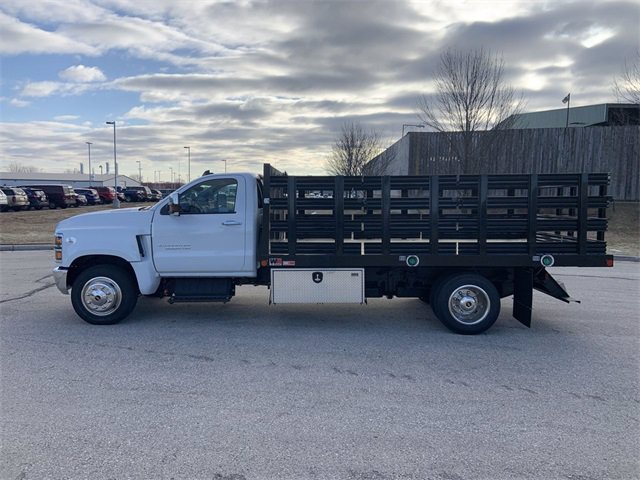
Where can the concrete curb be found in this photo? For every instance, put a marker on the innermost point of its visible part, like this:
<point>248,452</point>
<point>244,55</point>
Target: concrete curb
<point>45,246</point>
<point>25,248</point>
<point>625,258</point>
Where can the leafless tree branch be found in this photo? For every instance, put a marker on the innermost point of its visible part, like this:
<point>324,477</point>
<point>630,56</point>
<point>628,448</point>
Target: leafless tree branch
<point>470,95</point>
<point>626,86</point>
<point>353,148</point>
<point>16,167</point>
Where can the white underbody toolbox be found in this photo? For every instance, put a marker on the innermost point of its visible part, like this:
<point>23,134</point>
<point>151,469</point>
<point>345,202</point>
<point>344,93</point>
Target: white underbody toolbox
<point>306,285</point>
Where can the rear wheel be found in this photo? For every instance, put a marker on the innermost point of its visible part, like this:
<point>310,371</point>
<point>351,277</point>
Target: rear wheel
<point>104,294</point>
<point>467,303</point>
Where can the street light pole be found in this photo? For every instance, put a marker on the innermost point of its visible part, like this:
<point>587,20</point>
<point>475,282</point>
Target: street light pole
<point>139,171</point>
<point>116,202</point>
<point>188,164</point>
<point>89,145</point>
<point>225,164</point>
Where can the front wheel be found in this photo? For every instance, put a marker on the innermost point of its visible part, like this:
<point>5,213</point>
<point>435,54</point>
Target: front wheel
<point>104,294</point>
<point>467,303</point>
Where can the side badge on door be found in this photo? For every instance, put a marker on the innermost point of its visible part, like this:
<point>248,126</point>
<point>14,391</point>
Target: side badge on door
<point>317,277</point>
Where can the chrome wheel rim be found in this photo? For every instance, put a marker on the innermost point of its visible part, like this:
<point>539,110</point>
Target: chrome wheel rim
<point>101,296</point>
<point>469,304</point>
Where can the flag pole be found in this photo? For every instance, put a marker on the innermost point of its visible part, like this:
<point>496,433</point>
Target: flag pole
<point>567,100</point>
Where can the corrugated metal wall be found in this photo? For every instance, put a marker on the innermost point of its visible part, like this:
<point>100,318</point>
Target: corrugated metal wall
<point>615,150</point>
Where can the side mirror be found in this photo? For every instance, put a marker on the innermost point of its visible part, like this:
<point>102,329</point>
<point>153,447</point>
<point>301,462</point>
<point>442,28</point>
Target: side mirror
<point>174,204</point>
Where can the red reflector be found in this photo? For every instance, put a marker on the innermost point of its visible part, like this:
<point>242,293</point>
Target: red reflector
<point>609,262</point>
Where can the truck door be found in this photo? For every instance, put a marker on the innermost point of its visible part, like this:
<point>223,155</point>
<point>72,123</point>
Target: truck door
<point>208,236</point>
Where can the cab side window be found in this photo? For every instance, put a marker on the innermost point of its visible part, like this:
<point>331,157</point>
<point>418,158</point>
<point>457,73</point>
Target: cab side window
<point>212,196</point>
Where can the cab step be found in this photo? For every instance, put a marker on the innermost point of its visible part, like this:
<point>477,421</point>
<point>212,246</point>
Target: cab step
<point>182,290</point>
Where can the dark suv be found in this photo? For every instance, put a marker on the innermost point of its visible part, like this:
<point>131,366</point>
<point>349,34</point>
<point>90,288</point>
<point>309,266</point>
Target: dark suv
<point>92,196</point>
<point>137,194</point>
<point>61,196</point>
<point>37,198</point>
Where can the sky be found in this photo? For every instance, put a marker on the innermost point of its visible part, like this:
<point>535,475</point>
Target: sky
<point>247,82</point>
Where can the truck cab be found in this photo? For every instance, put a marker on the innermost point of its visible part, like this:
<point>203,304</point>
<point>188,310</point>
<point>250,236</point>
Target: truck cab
<point>207,228</point>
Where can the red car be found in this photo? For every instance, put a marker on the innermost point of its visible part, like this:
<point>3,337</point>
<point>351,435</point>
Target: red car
<point>107,194</point>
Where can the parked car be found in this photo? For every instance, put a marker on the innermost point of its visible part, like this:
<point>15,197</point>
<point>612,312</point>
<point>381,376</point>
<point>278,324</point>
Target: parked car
<point>59,195</point>
<point>16,198</point>
<point>107,194</point>
<point>156,195</point>
<point>4,204</point>
<point>37,198</point>
<point>81,200</point>
<point>93,198</point>
<point>141,193</point>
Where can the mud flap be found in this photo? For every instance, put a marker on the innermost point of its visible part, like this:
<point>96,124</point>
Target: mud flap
<point>523,295</point>
<point>525,280</point>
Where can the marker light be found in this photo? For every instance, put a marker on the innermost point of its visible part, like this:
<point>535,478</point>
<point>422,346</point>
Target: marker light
<point>413,260</point>
<point>547,260</point>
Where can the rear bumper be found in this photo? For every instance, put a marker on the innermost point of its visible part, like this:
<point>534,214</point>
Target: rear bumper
<point>60,277</point>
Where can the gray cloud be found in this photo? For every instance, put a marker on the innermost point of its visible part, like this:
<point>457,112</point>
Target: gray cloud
<point>274,81</point>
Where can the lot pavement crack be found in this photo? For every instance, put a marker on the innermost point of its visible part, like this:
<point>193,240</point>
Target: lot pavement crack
<point>28,294</point>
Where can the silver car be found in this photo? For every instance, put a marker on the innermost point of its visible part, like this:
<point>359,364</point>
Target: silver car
<point>16,198</point>
<point>4,204</point>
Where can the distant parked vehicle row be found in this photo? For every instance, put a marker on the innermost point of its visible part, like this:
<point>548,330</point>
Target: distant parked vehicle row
<point>64,196</point>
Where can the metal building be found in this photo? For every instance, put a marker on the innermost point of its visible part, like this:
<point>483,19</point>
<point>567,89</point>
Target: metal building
<point>601,115</point>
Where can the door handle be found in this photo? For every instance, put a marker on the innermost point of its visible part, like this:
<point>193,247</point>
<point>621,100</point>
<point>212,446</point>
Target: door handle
<point>231,222</point>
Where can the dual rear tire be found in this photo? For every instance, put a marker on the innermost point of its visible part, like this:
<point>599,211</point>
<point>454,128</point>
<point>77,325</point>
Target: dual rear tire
<point>466,303</point>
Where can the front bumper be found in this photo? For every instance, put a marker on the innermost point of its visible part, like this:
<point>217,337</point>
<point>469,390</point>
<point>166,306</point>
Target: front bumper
<point>60,277</point>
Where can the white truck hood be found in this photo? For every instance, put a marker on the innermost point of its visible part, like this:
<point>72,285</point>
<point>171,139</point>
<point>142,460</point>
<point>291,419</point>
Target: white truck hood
<point>131,221</point>
<point>117,233</point>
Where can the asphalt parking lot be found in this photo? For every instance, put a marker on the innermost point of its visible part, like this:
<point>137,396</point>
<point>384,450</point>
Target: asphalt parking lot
<point>383,391</point>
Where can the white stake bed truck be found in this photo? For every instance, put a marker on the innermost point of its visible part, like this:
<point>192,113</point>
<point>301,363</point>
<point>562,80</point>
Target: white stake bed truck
<point>460,243</point>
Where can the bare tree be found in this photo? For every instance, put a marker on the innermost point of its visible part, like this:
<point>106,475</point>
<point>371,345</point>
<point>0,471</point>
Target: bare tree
<point>16,167</point>
<point>353,148</point>
<point>471,95</point>
<point>626,86</point>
